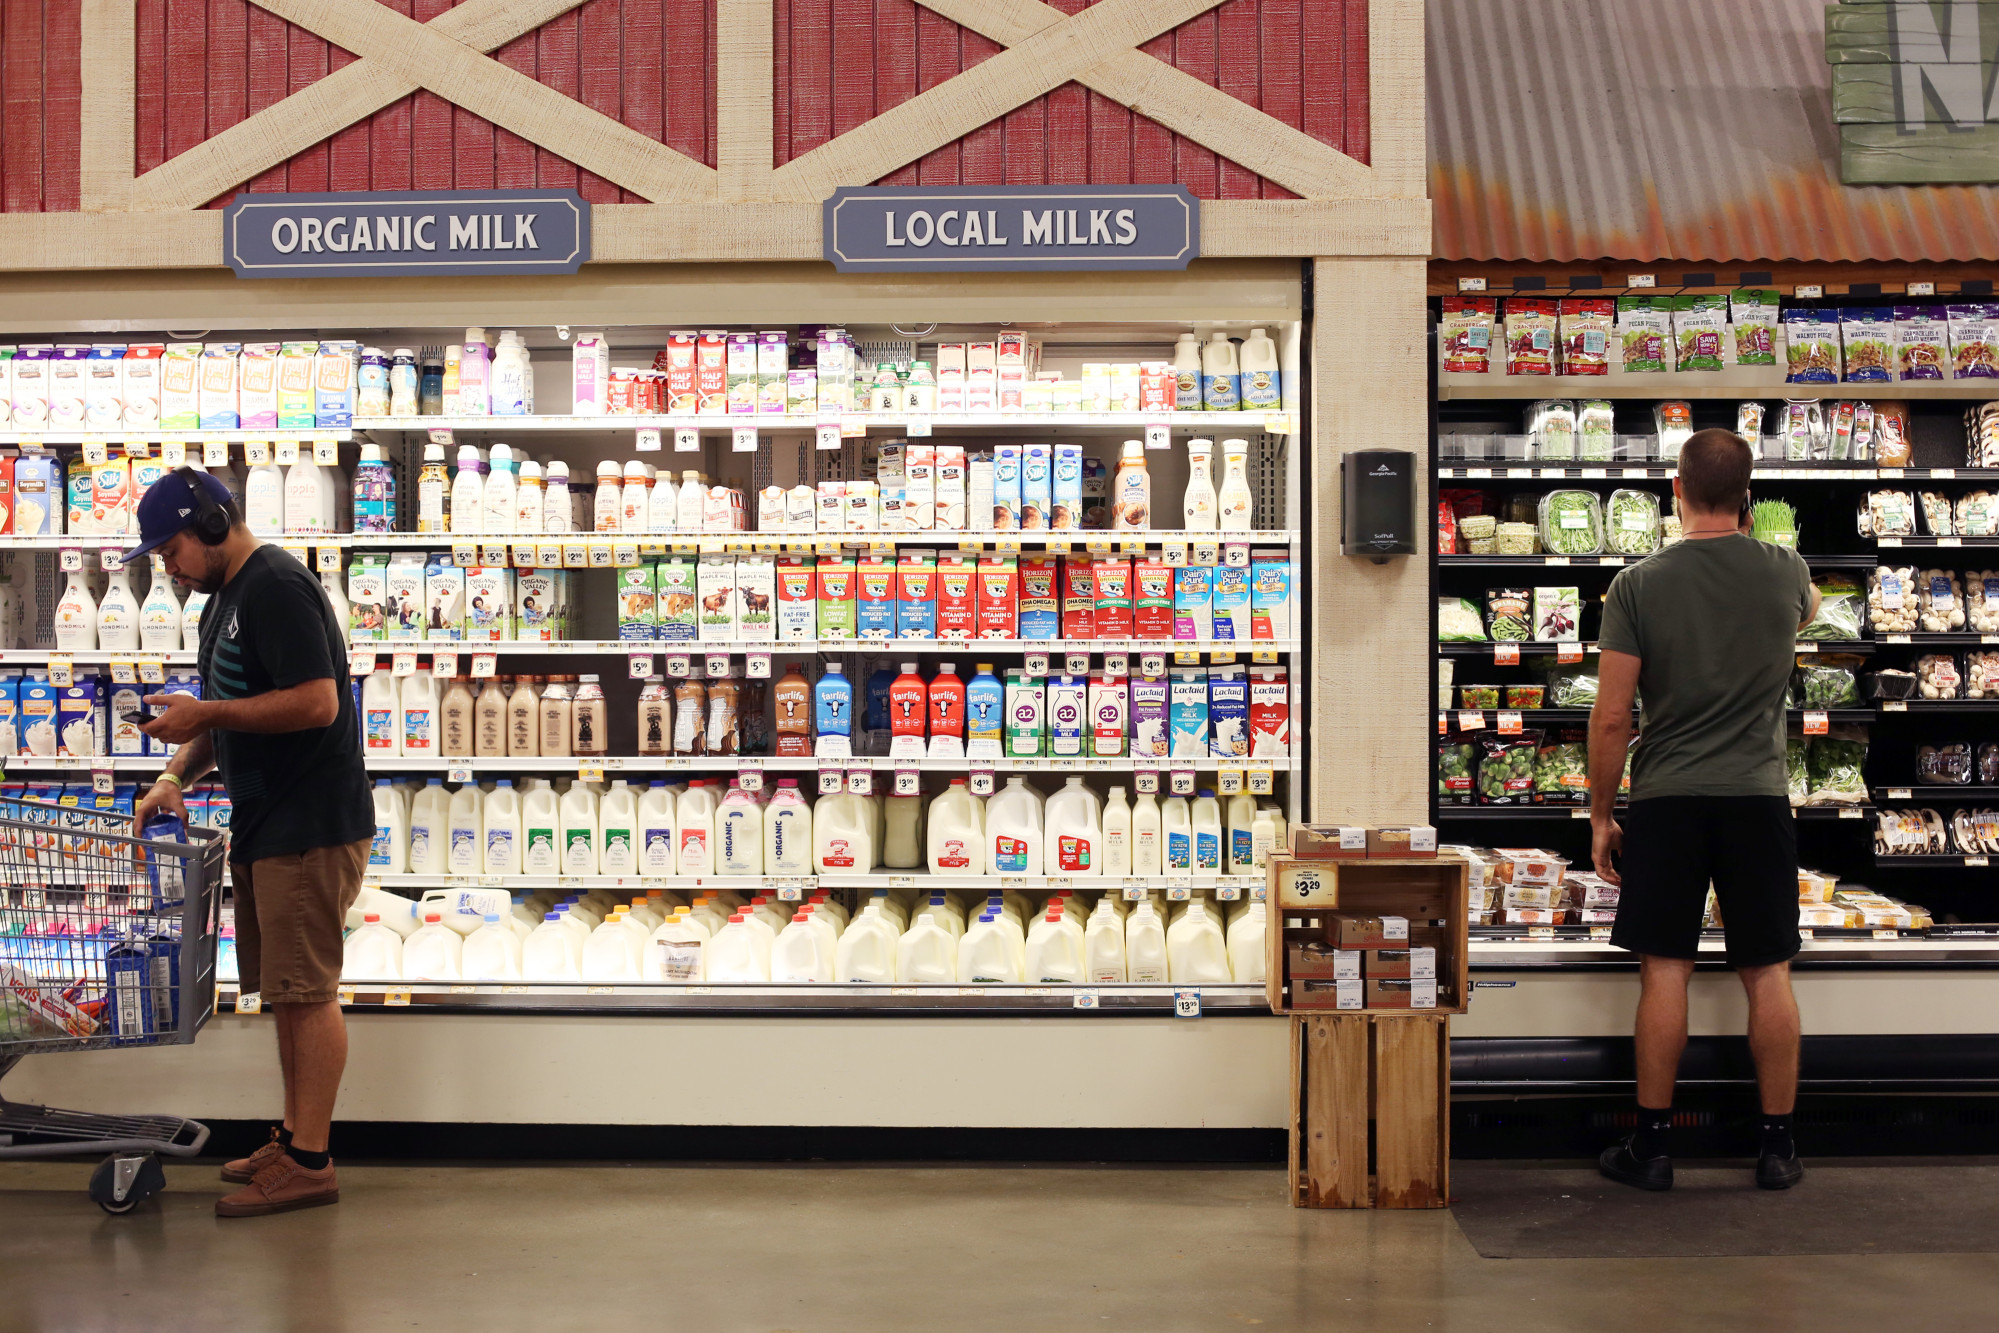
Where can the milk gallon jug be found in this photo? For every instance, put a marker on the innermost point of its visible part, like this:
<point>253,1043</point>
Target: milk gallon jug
<point>491,953</point>
<point>607,954</point>
<point>674,951</point>
<point>694,814</point>
<point>1195,948</point>
<point>418,700</point>
<point>1014,830</point>
<point>381,716</point>
<point>617,821</point>
<point>788,833</point>
<point>388,854</point>
<point>430,829</point>
<point>802,952</point>
<point>1176,836</point>
<point>540,830</point>
<point>1221,386</point>
<point>467,848</point>
<point>987,953</point>
<point>372,953</point>
<point>926,953</point>
<point>433,953</point>
<point>1145,944</point>
<point>1072,835</point>
<point>501,822</point>
<point>739,834</point>
<point>1103,943</point>
<point>1262,384</point>
<point>957,835</point>
<point>545,954</point>
<point>842,835</point>
<point>1116,854</point>
<point>866,952</point>
<point>901,820</point>
<point>1246,944</point>
<point>1055,949</point>
<point>658,834</point>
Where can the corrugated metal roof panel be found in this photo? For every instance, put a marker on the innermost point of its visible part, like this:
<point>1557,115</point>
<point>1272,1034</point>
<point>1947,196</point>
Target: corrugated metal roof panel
<point>1697,130</point>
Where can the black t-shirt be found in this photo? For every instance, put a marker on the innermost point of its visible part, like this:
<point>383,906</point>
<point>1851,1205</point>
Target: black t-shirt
<point>270,628</point>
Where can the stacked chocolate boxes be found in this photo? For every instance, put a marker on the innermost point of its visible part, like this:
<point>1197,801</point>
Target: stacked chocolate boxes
<point>1366,962</point>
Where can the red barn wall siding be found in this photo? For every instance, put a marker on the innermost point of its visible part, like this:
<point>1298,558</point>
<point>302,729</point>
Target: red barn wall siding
<point>204,65</point>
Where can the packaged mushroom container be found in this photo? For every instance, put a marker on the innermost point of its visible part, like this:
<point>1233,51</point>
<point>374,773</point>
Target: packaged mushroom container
<point>1938,513</point>
<point>1981,675</point>
<point>1981,603</point>
<point>1944,765</point>
<point>1887,513</point>
<point>1941,609</point>
<point>1978,514</point>
<point>1893,600</point>
<point>1938,677</point>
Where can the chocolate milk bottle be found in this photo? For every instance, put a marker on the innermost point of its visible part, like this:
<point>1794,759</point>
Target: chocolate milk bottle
<point>524,718</point>
<point>555,712</point>
<point>722,737</point>
<point>690,715</point>
<point>655,716</point>
<point>794,712</point>
<point>483,730</point>
<point>587,722</point>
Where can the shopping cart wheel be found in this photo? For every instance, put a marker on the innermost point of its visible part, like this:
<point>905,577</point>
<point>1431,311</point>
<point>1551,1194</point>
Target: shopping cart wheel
<point>123,1181</point>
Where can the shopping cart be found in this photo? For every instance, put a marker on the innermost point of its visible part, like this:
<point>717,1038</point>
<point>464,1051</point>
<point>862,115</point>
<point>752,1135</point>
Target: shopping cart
<point>106,940</point>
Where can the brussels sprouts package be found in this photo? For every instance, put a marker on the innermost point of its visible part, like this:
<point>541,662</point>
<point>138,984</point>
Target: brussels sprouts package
<point>1561,770</point>
<point>1506,768</point>
<point>1828,683</point>
<point>1454,771</point>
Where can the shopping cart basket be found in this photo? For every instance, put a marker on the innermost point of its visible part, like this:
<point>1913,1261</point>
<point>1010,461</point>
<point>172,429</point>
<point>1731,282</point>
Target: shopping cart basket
<point>106,940</point>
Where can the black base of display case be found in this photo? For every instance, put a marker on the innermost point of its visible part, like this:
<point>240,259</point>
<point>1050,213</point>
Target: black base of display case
<point>1900,1064</point>
<point>405,1141</point>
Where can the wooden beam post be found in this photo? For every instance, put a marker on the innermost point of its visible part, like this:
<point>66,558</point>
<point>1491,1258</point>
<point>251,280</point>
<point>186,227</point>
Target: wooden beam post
<point>745,134</point>
<point>1397,146</point>
<point>109,106</point>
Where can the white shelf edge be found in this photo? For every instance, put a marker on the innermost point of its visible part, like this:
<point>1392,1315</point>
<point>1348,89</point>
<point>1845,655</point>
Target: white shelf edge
<point>721,423</point>
<point>697,647</point>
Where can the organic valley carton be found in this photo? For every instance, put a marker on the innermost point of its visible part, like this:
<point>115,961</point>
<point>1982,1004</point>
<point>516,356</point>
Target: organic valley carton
<point>636,598</point>
<point>677,601</point>
<point>489,603</point>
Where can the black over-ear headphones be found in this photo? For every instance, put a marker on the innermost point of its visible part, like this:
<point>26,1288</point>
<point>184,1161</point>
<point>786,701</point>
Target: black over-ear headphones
<point>211,521</point>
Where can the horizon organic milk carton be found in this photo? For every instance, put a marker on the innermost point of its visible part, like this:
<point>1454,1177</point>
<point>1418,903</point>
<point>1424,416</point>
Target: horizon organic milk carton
<point>797,597</point>
<point>997,589</point>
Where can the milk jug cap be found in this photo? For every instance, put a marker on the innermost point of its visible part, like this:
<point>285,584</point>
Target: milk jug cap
<point>431,918</point>
<point>369,919</point>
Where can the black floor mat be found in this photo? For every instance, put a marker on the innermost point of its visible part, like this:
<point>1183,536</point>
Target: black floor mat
<point>1543,1211</point>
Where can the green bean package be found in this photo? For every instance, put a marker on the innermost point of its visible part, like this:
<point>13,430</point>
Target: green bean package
<point>1507,612</point>
<point>1836,767</point>
<point>1840,608</point>
<point>1506,768</point>
<point>1574,686</point>
<point>1572,523</point>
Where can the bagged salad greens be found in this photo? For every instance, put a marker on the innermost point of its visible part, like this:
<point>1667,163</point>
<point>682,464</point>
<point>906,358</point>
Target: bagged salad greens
<point>1699,323</point>
<point>1829,682</point>
<point>1869,338</point>
<point>1797,775</point>
<point>1754,314</point>
<point>1811,346</point>
<point>1571,523</point>
<point>1596,432</point>
<point>1506,768</point>
<point>1644,331</point>
<point>1835,767</point>
<point>1507,614</point>
<point>1631,523</point>
<point>1840,608</point>
<point>1561,770</point>
<point>1558,614</point>
<point>1458,621</point>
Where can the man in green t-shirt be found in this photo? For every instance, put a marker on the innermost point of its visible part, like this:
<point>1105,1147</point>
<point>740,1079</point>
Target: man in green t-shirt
<point>1705,632</point>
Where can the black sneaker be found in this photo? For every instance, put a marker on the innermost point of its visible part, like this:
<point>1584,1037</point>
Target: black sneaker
<point>1622,1165</point>
<point>1779,1173</point>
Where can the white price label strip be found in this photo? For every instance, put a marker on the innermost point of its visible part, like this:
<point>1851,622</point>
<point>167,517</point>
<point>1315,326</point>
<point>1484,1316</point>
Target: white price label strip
<point>686,440</point>
<point>640,666</point>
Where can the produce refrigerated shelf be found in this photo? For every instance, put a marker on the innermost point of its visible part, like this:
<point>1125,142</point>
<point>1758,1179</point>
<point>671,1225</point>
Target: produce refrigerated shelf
<point>1511,469</point>
<point>1483,647</point>
<point>1582,811</point>
<point>779,647</point>
<point>1935,543</point>
<point>1884,861</point>
<point>719,997</point>
<point>1727,383</point>
<point>722,423</point>
<point>1937,791</point>
<point>1850,561</point>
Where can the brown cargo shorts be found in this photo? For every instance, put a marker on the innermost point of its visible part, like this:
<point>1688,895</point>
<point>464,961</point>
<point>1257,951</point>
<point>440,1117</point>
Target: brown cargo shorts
<point>291,912</point>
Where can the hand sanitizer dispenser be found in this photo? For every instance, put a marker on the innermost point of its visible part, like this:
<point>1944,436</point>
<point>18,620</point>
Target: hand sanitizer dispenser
<point>1378,516</point>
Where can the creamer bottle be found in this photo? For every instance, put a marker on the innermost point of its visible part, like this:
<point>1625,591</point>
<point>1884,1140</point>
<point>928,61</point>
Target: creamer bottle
<point>118,614</point>
<point>468,492</point>
<point>607,505</point>
<point>1200,508</point>
<point>500,492</point>
<point>500,821</point>
<point>433,492</point>
<point>1262,383</point>
<point>635,501</point>
<point>787,825</point>
<point>1221,387</point>
<point>1187,373</point>
<point>1235,504</point>
<point>1177,836</point>
<point>190,621</point>
<point>663,505</point>
<point>430,829</point>
<point>510,376</point>
<point>577,810</point>
<point>1206,821</point>
<point>739,834</point>
<point>694,813</point>
<point>523,718</point>
<point>557,513</point>
<point>458,721</point>
<point>419,704</point>
<point>1117,845</point>
<point>159,617</point>
<point>541,824</point>
<point>1131,492</point>
<point>658,835</point>
<point>529,504</point>
<point>956,832</point>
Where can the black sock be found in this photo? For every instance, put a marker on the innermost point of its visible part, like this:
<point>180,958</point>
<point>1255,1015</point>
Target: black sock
<point>1650,1140</point>
<point>311,1161</point>
<point>284,1136</point>
<point>1773,1135</point>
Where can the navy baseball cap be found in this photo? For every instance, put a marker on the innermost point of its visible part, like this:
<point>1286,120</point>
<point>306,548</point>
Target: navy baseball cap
<point>169,507</point>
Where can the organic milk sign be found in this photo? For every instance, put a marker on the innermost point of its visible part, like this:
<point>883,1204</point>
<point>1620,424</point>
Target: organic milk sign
<point>1025,228</point>
<point>408,233</point>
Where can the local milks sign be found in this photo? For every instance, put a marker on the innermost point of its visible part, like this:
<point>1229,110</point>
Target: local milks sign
<point>1025,228</point>
<point>406,234</point>
<point>1913,90</point>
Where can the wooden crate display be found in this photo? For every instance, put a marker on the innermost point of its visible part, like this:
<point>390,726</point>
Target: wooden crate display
<point>1432,892</point>
<point>1370,1106</point>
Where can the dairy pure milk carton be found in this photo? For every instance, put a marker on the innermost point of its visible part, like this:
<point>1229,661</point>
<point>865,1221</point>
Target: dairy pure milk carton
<point>1270,595</point>
<point>1193,602</point>
<point>1230,602</point>
<point>1228,712</point>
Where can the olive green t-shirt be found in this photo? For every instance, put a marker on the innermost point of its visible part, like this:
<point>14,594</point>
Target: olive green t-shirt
<point>1714,624</point>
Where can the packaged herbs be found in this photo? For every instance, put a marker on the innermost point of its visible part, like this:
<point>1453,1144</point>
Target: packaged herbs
<point>1507,612</point>
<point>1465,331</point>
<point>1811,346</point>
<point>1974,341</point>
<point>1631,523</point>
<point>1674,424</point>
<point>1530,336</point>
<point>1754,313</point>
<point>1596,432</point>
<point>1922,343</point>
<point>1571,523</point>
<point>1699,323</point>
<point>1552,427</point>
<point>1804,430</point>
<point>1558,614</point>
<point>1775,522</point>
<point>1834,765</point>
<point>1749,425</point>
<point>1868,335</point>
<point>1644,328</point>
<point>1585,332</point>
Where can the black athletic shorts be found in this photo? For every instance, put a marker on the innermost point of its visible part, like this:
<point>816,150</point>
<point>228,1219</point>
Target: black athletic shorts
<point>1747,846</point>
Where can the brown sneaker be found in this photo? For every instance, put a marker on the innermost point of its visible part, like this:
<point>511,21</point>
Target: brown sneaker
<point>244,1169</point>
<point>279,1188</point>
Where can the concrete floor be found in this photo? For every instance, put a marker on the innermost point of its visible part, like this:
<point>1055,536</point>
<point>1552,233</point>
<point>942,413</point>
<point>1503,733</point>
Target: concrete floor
<point>876,1250</point>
